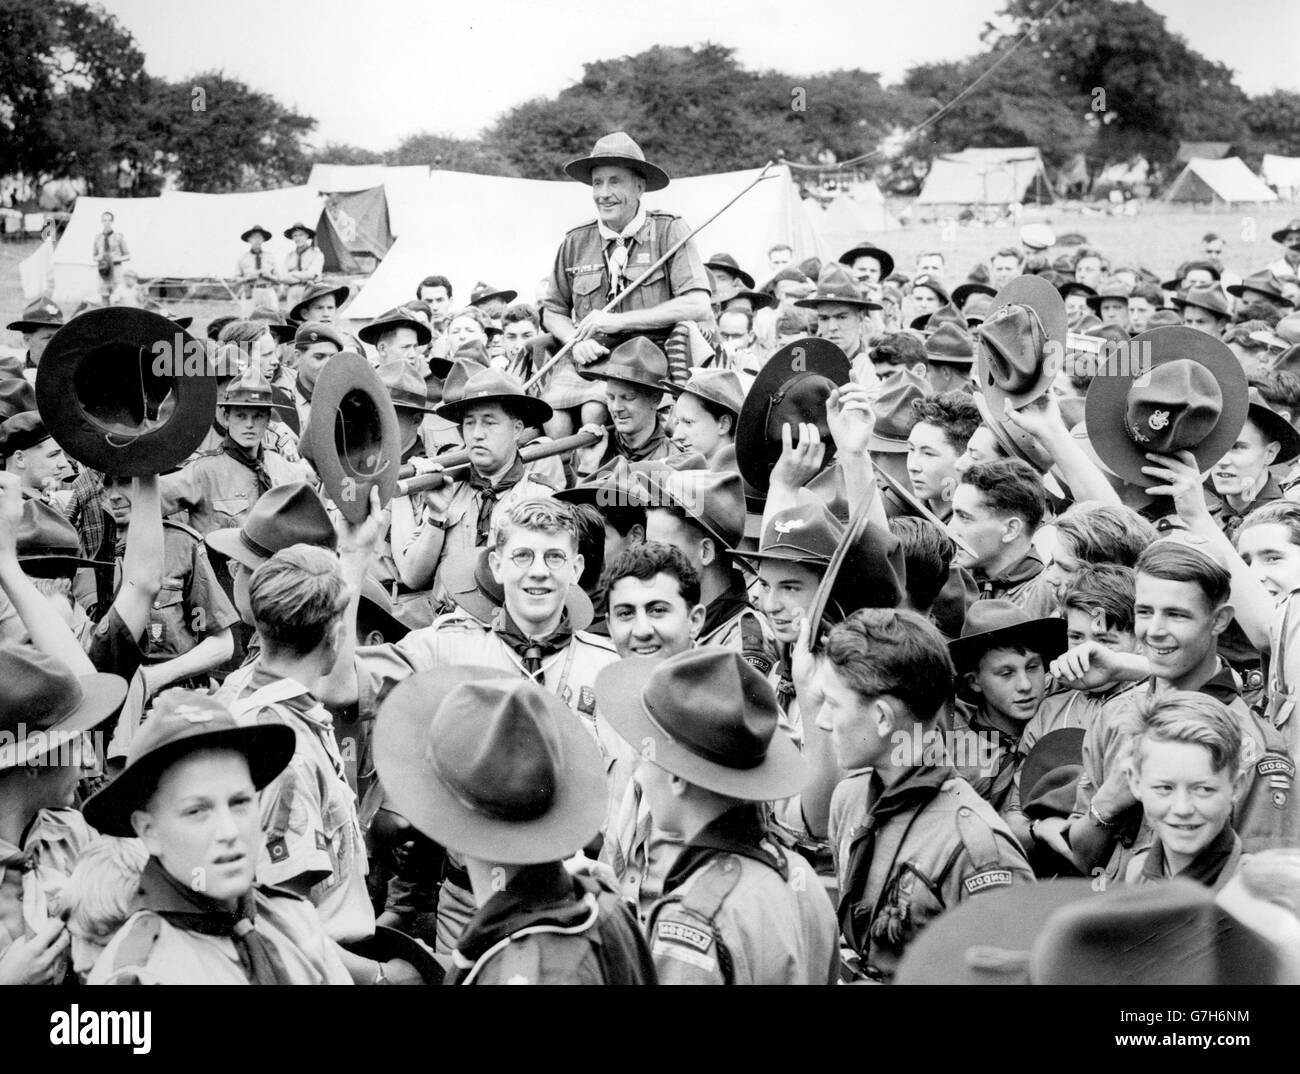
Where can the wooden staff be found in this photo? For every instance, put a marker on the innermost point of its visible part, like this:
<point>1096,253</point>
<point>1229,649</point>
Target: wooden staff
<point>436,479</point>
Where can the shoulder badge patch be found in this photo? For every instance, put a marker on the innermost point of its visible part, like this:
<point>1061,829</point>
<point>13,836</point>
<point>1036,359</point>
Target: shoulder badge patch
<point>587,701</point>
<point>687,935</point>
<point>987,878</point>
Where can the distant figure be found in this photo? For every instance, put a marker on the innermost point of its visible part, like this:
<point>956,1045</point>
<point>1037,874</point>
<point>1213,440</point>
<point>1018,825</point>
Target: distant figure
<point>110,252</point>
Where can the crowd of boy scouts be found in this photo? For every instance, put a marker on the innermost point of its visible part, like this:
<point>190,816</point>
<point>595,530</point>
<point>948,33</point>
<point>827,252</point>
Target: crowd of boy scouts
<point>851,625</point>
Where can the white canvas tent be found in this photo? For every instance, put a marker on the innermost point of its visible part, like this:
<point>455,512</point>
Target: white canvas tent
<point>506,231</point>
<point>986,176</point>
<point>1214,182</point>
<point>404,186</point>
<point>1284,174</point>
<point>847,221</point>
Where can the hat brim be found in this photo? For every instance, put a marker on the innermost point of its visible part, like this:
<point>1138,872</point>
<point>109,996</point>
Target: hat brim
<point>43,566</point>
<point>660,496</point>
<point>417,793</point>
<point>1276,427</point>
<point>101,697</point>
<point>1094,301</point>
<point>229,543</point>
<point>760,300</point>
<point>371,333</point>
<point>1221,312</point>
<point>813,301</point>
<point>1056,749</point>
<point>309,232</point>
<point>1238,290</point>
<point>1046,636</point>
<point>528,408</point>
<point>118,448</point>
<point>655,177</point>
<point>1280,236</point>
<point>268,748</point>
<point>266,235</point>
<point>32,326</point>
<point>781,774</point>
<point>963,291</point>
<point>588,373</point>
<point>340,294</point>
<point>1107,400</point>
<point>378,614</point>
<point>504,296</point>
<point>887,445</point>
<point>809,356</point>
<point>886,261</point>
<point>1046,302</point>
<point>389,943</point>
<point>746,280</point>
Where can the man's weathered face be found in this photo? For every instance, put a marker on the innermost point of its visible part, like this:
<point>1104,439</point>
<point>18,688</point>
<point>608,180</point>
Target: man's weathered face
<point>491,436</point>
<point>650,617</point>
<point>841,324</point>
<point>401,344</point>
<point>617,194</point>
<point>866,269</point>
<point>37,341</point>
<point>631,408</point>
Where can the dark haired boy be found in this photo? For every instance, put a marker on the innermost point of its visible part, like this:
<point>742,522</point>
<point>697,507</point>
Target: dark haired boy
<point>996,510</point>
<point>944,426</point>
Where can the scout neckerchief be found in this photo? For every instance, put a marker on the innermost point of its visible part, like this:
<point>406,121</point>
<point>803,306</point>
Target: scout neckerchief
<point>742,830</point>
<point>253,461</point>
<point>178,905</point>
<point>996,786</point>
<point>489,494</point>
<point>1205,868</point>
<point>724,607</point>
<point>655,448</point>
<point>616,249</point>
<point>532,651</point>
<point>1023,570</point>
<point>917,789</point>
<point>1230,518</point>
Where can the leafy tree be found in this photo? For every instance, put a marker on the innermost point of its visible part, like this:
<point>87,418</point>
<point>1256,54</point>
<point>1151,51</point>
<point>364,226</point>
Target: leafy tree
<point>448,153</point>
<point>1274,120</point>
<point>341,153</point>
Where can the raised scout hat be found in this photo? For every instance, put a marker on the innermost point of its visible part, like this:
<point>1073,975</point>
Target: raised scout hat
<point>1193,397</point>
<point>964,291</point>
<point>1027,324</point>
<point>617,150</point>
<point>17,396</point>
<point>282,516</point>
<point>352,438</point>
<point>44,706</point>
<point>721,387</point>
<point>977,308</point>
<point>490,765</point>
<point>181,722</point>
<point>836,286</point>
<point>867,570</point>
<point>250,389</point>
<point>485,292</point>
<point>1210,297</point>
<point>394,319</point>
<point>42,313</point>
<point>1050,773</point>
<point>1260,283</point>
<point>1000,624</point>
<point>113,405</point>
<point>405,386</point>
<point>1013,440</point>
<point>1112,289</point>
<point>708,717</point>
<point>866,249</point>
<point>494,386</point>
<point>928,323</point>
<point>951,345</point>
<point>895,414</point>
<point>315,291</point>
<point>1272,425</point>
<point>713,499</point>
<point>256,229</point>
<point>1282,233</point>
<point>48,544</point>
<point>637,361</point>
<point>728,264</point>
<point>300,226</point>
<point>21,433</point>
<point>792,387</point>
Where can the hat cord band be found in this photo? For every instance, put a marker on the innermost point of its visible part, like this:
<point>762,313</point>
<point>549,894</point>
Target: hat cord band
<point>726,760</point>
<point>253,546</point>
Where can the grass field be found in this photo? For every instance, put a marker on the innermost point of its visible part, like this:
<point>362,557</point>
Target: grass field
<point>1158,237</point>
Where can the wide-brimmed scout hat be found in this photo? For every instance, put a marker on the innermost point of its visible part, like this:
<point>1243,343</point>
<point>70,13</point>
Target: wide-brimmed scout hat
<point>257,229</point>
<point>490,765</point>
<point>1176,284</point>
<point>1193,397</point>
<point>395,318</point>
<point>1112,289</point>
<point>792,387</point>
<point>48,544</point>
<point>113,405</point>
<point>352,438</point>
<point>1013,440</point>
<point>282,516</point>
<point>1283,335</point>
<point>618,149</point>
<point>43,313</point>
<point>1000,624</point>
<point>970,288</point>
<point>1027,323</point>
<point>721,387</point>
<point>895,414</point>
<point>22,432</point>
<point>1209,298</point>
<point>950,344</point>
<point>405,386</point>
<point>181,722</point>
<point>713,499</point>
<point>315,291</point>
<point>929,323</point>
<point>44,706</point>
<point>976,309</point>
<point>299,226</point>
<point>17,396</point>
<point>836,286</point>
<point>1050,773</point>
<point>637,361</point>
<point>866,249</point>
<point>469,582</point>
<point>1071,287</point>
<point>494,386</point>
<point>708,717</point>
<point>727,263</point>
<point>806,533</point>
<point>1291,228</point>
<point>485,292</point>
<point>1260,283</point>
<point>250,389</point>
<point>866,570</point>
<point>1274,427</point>
<point>758,300</point>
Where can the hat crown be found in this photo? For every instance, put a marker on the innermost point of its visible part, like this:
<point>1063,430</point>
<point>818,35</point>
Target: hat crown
<point>1013,339</point>
<point>17,396</point>
<point>286,515</point>
<point>721,386</point>
<point>895,415</point>
<point>807,528</point>
<point>714,703</point>
<point>949,341</point>
<point>44,531</point>
<point>1173,407</point>
<point>251,386</point>
<point>39,690</point>
<point>835,282</point>
<point>639,360</point>
<point>496,746</point>
<point>987,615</point>
<point>617,144</point>
<point>715,499</point>
<point>401,380</point>
<point>176,715</point>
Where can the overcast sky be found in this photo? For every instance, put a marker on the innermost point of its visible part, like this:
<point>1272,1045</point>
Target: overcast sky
<point>373,71</point>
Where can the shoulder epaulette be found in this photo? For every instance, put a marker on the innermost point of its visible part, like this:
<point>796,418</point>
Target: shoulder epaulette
<point>711,886</point>
<point>580,227</point>
<point>139,936</point>
<point>188,530</point>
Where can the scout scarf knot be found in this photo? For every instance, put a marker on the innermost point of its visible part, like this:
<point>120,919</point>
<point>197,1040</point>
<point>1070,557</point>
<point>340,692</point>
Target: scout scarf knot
<point>250,460</point>
<point>489,494</point>
<point>532,651</point>
<point>164,895</point>
<point>616,249</point>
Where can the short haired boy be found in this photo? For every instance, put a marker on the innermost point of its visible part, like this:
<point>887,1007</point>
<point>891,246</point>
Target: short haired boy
<point>996,509</point>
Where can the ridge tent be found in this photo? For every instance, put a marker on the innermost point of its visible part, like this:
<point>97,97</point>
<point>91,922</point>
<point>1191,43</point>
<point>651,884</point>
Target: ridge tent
<point>1284,174</point>
<point>848,220</point>
<point>1212,182</point>
<point>1188,151</point>
<point>986,176</point>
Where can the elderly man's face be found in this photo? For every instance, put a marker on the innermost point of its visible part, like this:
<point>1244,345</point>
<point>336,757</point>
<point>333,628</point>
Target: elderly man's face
<point>617,194</point>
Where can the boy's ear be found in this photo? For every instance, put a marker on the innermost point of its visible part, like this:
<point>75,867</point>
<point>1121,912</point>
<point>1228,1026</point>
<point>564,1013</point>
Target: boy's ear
<point>1223,615</point>
<point>972,682</point>
<point>885,717</point>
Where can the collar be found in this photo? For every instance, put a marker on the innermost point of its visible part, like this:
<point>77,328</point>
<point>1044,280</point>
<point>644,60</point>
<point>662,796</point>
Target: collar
<point>1268,492</point>
<point>742,830</point>
<point>509,478</point>
<point>302,703</point>
<point>542,894</point>
<point>725,606</point>
<point>1205,868</point>
<point>1025,569</point>
<point>633,226</point>
<point>656,444</point>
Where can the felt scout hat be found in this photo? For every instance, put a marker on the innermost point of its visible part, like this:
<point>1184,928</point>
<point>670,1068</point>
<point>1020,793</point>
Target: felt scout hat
<point>637,361</point>
<point>895,414</point>
<point>963,291</point>
<point>1260,283</point>
<point>17,396</point>
<point>713,499</point>
<point>1273,426</point>
<point>1163,319</point>
<point>792,387</point>
<point>490,765</point>
<point>1288,360</point>
<point>124,391</point>
<point>469,582</point>
<point>929,323</point>
<point>1282,233</point>
<point>315,291</point>
<point>494,386</point>
<point>352,438</point>
<point>806,533</point>
<point>256,229</point>
<point>282,516</point>
<point>1000,624</point>
<point>44,706</point>
<point>1192,397</point>
<point>250,389</point>
<point>866,570</point>
<point>395,318</point>
<point>12,366</point>
<point>1286,333</point>
<point>1016,340</point>
<point>485,292</point>
<point>181,722</point>
<point>708,717</point>
<point>932,283</point>
<point>950,344</point>
<point>1049,773</point>
<point>1072,287</point>
<point>48,544</point>
<point>308,334</point>
<point>376,612</point>
<point>728,264</point>
<point>1176,284</point>
<point>300,226</point>
<point>42,313</point>
<point>721,387</point>
<point>405,386</point>
<point>977,309</point>
<point>1112,289</point>
<point>758,300</point>
<point>1014,441</point>
<point>281,331</point>
<point>836,286</point>
<point>22,432</point>
<point>617,149</point>
<point>866,249</point>
<point>1209,298</point>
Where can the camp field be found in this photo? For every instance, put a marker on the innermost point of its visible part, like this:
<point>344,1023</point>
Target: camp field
<point>1157,237</point>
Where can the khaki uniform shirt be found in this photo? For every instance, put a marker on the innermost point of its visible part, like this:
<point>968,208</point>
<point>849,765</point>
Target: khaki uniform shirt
<point>219,491</point>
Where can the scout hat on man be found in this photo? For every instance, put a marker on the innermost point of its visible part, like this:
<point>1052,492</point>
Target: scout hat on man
<point>728,264</point>
<point>866,570</point>
<point>866,249</point>
<point>22,432</point>
<point>977,308</point>
<point>1000,624</point>
<point>1283,233</point>
<point>250,389</point>
<point>951,345</point>
<point>1262,283</point>
<point>714,500</point>
<point>836,286</point>
<point>617,150</point>
<point>315,291</point>
<point>720,387</point>
<point>309,231</point>
<point>964,291</point>
<point>113,405</point>
<point>792,387</point>
<point>1176,284</point>
<point>1210,298</point>
<point>932,283</point>
<point>257,229</point>
<point>1027,325</point>
<point>490,765</point>
<point>637,361</point>
<point>282,516</point>
<point>17,396</point>
<point>394,319</point>
<point>180,723</point>
<point>352,438</point>
<point>895,416</point>
<point>928,323</point>
<point>1274,427</point>
<point>405,386</point>
<point>48,544</point>
<point>484,292</point>
<point>708,717</point>
<point>1110,289</point>
<point>44,706</point>
<point>42,313</point>
<point>494,386</point>
<point>1193,397</point>
<point>1072,287</point>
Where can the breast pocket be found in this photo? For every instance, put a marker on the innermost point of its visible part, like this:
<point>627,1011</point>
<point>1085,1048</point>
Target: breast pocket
<point>588,294</point>
<point>228,512</point>
<point>167,626</point>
